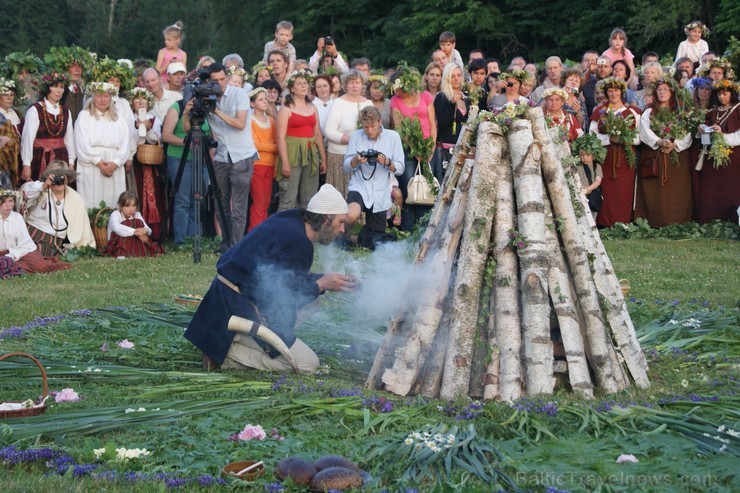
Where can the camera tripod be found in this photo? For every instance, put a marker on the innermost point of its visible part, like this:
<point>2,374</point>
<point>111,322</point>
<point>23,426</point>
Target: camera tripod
<point>195,141</point>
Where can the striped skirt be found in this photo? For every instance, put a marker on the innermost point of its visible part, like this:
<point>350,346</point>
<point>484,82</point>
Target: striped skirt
<point>48,245</point>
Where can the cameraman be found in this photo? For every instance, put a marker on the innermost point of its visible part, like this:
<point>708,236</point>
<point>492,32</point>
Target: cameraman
<point>235,153</point>
<point>371,179</point>
<point>326,46</point>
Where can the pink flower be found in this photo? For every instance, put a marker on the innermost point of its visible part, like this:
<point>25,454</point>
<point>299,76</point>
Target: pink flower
<point>627,458</point>
<point>125,344</point>
<point>252,432</point>
<point>104,347</point>
<point>67,395</point>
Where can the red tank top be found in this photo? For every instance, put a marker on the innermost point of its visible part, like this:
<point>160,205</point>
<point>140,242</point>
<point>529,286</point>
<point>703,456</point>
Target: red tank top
<point>301,126</point>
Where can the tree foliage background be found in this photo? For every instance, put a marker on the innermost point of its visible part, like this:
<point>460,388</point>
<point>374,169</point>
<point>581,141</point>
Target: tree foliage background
<point>385,31</point>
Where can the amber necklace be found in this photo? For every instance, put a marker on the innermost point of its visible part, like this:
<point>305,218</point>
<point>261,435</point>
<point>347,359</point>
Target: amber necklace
<point>55,128</point>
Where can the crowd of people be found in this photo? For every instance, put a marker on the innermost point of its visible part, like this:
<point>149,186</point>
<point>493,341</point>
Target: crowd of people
<point>78,131</point>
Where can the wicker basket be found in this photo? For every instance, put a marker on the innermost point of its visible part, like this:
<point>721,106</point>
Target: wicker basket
<point>150,154</point>
<point>100,232</point>
<point>33,411</point>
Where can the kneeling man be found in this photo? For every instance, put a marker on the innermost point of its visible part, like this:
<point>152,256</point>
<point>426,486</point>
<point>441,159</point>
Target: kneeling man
<point>247,318</point>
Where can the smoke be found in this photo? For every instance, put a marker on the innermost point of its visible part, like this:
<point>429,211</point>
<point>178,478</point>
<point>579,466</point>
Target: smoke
<point>388,282</point>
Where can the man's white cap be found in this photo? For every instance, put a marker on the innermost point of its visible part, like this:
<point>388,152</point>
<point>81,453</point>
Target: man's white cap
<point>176,67</point>
<point>328,200</point>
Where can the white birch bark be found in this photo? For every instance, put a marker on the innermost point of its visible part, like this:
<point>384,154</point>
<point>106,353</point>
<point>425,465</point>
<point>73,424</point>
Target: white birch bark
<point>534,261</point>
<point>466,292</point>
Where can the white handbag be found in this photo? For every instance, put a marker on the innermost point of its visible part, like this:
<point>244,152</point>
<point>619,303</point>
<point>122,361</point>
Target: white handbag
<point>418,191</point>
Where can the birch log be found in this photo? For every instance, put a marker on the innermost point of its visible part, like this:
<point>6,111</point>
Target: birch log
<point>601,350</point>
<point>505,380</point>
<point>433,278</point>
<point>466,292</point>
<point>607,284</point>
<point>533,258</point>
<point>433,371</point>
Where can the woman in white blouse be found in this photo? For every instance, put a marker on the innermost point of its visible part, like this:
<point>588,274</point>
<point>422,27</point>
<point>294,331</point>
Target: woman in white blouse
<point>341,124</point>
<point>102,140</point>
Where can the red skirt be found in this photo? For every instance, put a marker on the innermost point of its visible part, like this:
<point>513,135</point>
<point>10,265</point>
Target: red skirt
<point>35,263</point>
<point>131,246</point>
<point>617,187</point>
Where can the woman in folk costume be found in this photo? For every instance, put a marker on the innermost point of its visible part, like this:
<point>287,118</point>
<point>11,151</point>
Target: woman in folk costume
<point>10,137</point>
<point>102,142</point>
<point>618,185</point>
<point>55,214</point>
<point>47,130</point>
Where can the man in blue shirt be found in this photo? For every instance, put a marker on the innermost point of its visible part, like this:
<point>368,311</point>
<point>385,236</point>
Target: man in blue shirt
<point>235,153</point>
<point>371,179</point>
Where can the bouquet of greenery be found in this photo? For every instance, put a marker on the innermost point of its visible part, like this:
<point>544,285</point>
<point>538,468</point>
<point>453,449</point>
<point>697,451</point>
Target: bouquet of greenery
<point>419,146</point>
<point>474,93</point>
<point>623,131</point>
<point>505,116</point>
<point>719,151</point>
<point>669,125</point>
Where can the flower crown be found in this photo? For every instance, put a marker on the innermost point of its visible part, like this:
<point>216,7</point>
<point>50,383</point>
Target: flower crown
<point>555,91</point>
<point>408,79</point>
<point>53,78</point>
<point>518,74</point>
<point>693,25</point>
<point>62,57</point>
<point>613,83</point>
<point>669,81</point>
<point>21,60</point>
<point>725,85</point>
<point>102,87</point>
<point>703,82</point>
<point>4,193</point>
<point>382,81</point>
<point>259,66</point>
<point>236,70</point>
<point>300,74</point>
<point>255,92</point>
<point>141,93</point>
<point>589,143</point>
<point>722,63</point>
<point>107,69</point>
<point>7,85</point>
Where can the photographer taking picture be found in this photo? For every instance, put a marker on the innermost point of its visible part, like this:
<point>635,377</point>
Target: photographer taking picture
<point>374,155</point>
<point>235,154</point>
<point>326,46</point>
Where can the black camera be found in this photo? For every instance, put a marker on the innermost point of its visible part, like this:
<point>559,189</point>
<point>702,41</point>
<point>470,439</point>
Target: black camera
<point>328,40</point>
<point>371,155</point>
<point>205,92</point>
<point>57,180</point>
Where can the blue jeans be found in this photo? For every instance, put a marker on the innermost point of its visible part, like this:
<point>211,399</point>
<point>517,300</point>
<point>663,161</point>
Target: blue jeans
<point>183,213</point>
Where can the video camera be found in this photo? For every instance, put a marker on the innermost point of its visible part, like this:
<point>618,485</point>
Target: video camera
<point>206,94</point>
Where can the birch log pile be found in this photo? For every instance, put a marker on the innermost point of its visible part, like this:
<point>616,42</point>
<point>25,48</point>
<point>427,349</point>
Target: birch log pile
<point>511,261</point>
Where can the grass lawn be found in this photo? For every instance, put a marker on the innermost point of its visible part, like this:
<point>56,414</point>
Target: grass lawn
<point>684,300</point>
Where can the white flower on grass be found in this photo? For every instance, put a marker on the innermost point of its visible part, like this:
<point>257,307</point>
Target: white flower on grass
<point>124,454</point>
<point>693,323</point>
<point>98,452</point>
<point>627,458</point>
<point>684,383</point>
<point>408,441</point>
<point>673,321</point>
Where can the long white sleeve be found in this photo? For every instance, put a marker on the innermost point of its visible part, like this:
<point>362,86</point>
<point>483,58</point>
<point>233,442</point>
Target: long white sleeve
<point>115,225</point>
<point>30,129</point>
<point>650,138</point>
<point>69,140</point>
<point>87,155</point>
<point>594,129</point>
<point>14,237</point>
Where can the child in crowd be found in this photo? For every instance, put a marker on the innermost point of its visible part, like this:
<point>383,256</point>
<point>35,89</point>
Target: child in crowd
<point>618,49</point>
<point>589,150</point>
<point>693,47</point>
<point>128,234</point>
<point>237,76</point>
<point>447,44</point>
<point>273,96</point>
<point>264,133</point>
<point>173,37</point>
<point>283,35</point>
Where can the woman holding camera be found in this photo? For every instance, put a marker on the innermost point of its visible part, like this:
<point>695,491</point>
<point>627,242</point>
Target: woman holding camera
<point>55,214</point>
<point>575,104</point>
<point>513,80</point>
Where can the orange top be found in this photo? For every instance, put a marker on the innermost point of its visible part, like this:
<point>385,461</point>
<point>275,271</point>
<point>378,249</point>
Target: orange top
<point>265,139</point>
